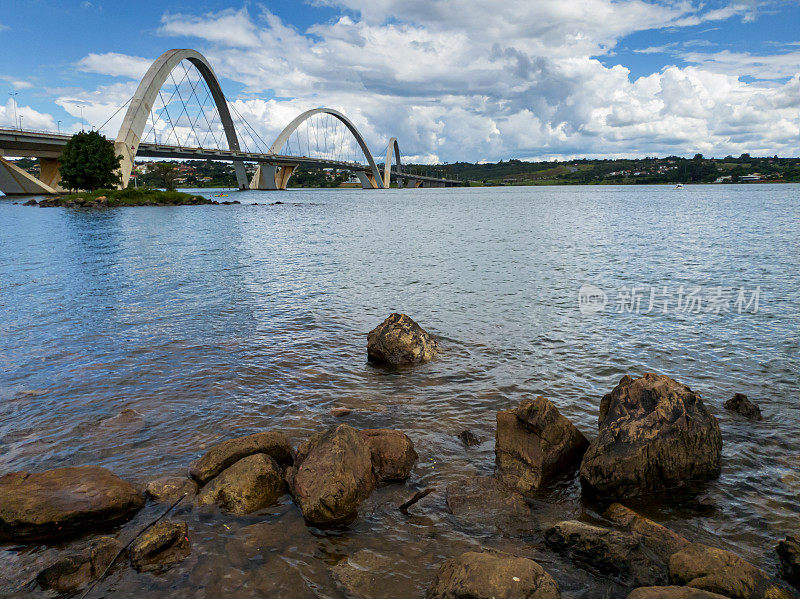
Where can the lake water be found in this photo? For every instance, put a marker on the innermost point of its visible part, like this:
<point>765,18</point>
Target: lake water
<point>219,321</point>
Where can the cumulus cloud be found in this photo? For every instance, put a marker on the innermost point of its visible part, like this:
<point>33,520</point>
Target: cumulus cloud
<point>11,112</point>
<point>460,80</point>
<point>117,65</point>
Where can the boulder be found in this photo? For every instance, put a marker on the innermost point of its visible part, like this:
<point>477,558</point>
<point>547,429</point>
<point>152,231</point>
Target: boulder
<point>78,568</point>
<point>339,412</point>
<point>470,439</point>
<point>655,434</point>
<point>358,574</point>
<point>170,488</point>
<point>252,483</point>
<point>534,442</point>
<point>720,571</point>
<point>659,539</point>
<point>392,452</point>
<point>610,552</point>
<point>161,546</point>
<point>743,406</point>
<point>331,476</point>
<point>490,575</point>
<point>672,592</point>
<point>398,341</point>
<point>64,501</point>
<point>273,443</point>
<point>789,554</point>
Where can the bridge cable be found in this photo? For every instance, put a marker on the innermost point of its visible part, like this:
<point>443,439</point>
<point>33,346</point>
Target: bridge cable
<point>184,110</point>
<point>113,115</point>
<point>248,125</point>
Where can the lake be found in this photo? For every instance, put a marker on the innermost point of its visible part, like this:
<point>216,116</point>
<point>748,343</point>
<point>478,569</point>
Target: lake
<point>211,322</point>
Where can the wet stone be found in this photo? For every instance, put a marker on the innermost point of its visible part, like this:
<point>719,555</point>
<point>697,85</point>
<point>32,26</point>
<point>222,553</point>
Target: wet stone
<point>161,546</point>
<point>252,483</point>
<point>400,341</point>
<point>171,488</point>
<point>218,458</point>
<point>358,574</point>
<point>77,569</point>
<point>743,406</point>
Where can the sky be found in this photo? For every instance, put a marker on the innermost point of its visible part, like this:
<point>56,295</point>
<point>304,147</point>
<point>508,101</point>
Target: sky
<point>453,80</point>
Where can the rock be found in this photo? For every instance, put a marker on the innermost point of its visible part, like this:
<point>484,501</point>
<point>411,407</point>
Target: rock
<point>398,340</point>
<point>159,547</point>
<point>655,434</point>
<point>252,483</point>
<point>743,406</point>
<point>273,443</point>
<point>60,502</point>
<point>31,202</point>
<point>358,574</point>
<point>608,552</point>
<point>331,476</point>
<point>170,488</point>
<point>392,452</point>
<point>470,439</point>
<point>720,571</point>
<point>672,593</point>
<point>534,442</point>
<point>77,569</point>
<point>340,412</point>
<point>490,575</point>
<point>659,539</point>
<point>789,554</point>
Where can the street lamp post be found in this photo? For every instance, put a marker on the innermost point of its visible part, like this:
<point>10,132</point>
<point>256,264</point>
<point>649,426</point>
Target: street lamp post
<point>59,127</point>
<point>14,98</point>
<point>20,122</point>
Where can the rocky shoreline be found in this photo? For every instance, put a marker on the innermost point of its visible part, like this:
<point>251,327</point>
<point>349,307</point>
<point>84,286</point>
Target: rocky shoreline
<point>655,436</point>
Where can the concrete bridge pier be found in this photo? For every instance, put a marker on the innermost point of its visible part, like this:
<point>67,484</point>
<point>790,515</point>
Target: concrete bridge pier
<point>272,176</point>
<point>50,172</point>
<point>367,180</point>
<point>15,181</point>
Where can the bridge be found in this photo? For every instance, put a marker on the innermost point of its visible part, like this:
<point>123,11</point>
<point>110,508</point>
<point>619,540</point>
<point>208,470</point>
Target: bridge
<point>207,130</point>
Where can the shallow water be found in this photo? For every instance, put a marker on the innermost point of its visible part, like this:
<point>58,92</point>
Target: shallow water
<point>219,321</point>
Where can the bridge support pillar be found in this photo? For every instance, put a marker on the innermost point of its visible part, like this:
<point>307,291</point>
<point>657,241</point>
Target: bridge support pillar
<point>50,172</point>
<point>367,180</point>
<point>15,181</point>
<point>272,176</point>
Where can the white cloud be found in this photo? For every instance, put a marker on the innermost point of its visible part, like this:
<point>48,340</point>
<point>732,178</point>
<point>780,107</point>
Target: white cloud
<point>4,27</point>
<point>16,83</point>
<point>462,80</point>
<point>11,112</point>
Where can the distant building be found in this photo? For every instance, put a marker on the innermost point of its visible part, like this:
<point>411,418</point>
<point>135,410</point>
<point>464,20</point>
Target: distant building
<point>725,179</point>
<point>751,177</point>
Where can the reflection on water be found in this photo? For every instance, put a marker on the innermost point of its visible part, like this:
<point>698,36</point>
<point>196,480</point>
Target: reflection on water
<point>209,322</point>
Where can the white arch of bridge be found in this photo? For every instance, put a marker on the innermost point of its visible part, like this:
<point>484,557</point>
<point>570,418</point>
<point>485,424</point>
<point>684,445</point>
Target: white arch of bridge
<point>132,129</point>
<point>387,166</point>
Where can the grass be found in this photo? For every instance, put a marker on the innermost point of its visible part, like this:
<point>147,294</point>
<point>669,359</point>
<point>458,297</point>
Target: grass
<point>135,197</point>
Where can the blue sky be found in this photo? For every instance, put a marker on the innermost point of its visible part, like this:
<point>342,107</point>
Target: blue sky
<point>452,79</point>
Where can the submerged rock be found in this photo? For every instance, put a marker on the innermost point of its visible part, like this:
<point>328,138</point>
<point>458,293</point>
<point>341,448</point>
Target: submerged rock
<point>672,592</point>
<point>609,552</point>
<point>470,439</point>
<point>481,499</point>
<point>273,443</point>
<point>331,476</point>
<point>60,502</point>
<point>340,412</point>
<point>77,569</point>
<point>659,539</point>
<point>252,483</point>
<point>720,571</point>
<point>655,434</point>
<point>170,488</point>
<point>789,554</point>
<point>534,443</point>
<point>490,575</point>
<point>161,546</point>
<point>398,340</point>
<point>358,574</point>
<point>743,406</point>
<point>392,453</point>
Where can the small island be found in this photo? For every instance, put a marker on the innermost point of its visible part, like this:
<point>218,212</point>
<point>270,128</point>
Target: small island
<point>110,198</point>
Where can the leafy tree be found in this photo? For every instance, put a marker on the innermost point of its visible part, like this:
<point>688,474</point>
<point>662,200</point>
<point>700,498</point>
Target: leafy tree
<point>166,173</point>
<point>89,162</point>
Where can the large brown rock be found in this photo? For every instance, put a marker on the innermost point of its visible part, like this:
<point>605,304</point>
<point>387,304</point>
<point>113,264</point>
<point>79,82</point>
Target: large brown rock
<point>63,501</point>
<point>331,476</point>
<point>492,575</point>
<point>252,483</point>
<point>76,569</point>
<point>398,341</point>
<point>392,452</point>
<point>534,442</point>
<point>723,572</point>
<point>789,554</point>
<point>274,444</point>
<point>659,539</point>
<point>655,434</point>
<point>672,592</point>
<point>608,552</point>
<point>161,546</point>
<point>170,488</point>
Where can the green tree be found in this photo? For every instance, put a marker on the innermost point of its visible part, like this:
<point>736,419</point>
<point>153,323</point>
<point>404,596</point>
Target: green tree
<point>89,162</point>
<point>166,173</point>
